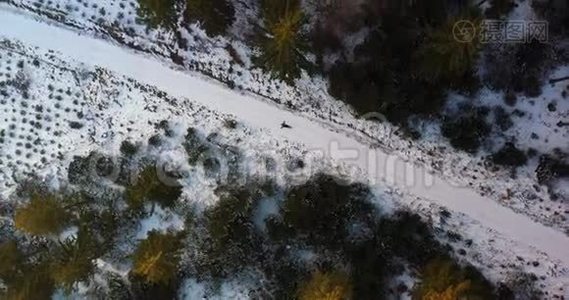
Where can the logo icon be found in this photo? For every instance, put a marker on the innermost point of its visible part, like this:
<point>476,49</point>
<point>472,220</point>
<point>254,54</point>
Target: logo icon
<point>464,31</point>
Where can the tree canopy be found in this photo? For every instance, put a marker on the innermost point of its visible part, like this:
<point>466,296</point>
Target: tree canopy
<point>442,279</point>
<point>10,259</point>
<point>326,286</point>
<point>158,13</point>
<point>32,283</point>
<point>43,215</point>
<point>156,258</point>
<point>214,16</point>
<point>282,40</point>
<point>149,187</point>
<point>445,56</point>
<point>73,260</point>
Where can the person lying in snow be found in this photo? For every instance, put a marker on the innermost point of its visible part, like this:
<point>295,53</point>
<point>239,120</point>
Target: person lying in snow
<point>285,125</point>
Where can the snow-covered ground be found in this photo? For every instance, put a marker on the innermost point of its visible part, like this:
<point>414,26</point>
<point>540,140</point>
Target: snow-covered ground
<point>228,60</point>
<point>114,108</point>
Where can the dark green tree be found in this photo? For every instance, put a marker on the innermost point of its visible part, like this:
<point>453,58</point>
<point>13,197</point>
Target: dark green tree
<point>158,13</point>
<point>407,61</point>
<point>72,260</point>
<point>444,56</point>
<point>149,187</point>
<point>11,259</point>
<point>466,132</point>
<point>231,211</point>
<point>322,208</point>
<point>231,230</point>
<point>33,282</point>
<point>214,16</point>
<point>383,77</point>
<point>499,8</point>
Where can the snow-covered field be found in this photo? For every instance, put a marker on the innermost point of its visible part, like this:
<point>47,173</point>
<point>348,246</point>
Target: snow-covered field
<point>536,124</point>
<point>89,107</point>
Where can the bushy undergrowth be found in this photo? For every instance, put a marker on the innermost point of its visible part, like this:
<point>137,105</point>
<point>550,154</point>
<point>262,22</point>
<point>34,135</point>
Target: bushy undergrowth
<point>72,259</point>
<point>551,169</point>
<point>468,131</point>
<point>518,68</point>
<point>354,250</point>
<point>319,216</point>
<point>509,155</point>
<point>38,268</point>
<point>230,227</point>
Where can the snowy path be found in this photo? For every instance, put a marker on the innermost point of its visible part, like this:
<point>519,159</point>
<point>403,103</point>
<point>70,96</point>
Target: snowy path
<point>255,112</point>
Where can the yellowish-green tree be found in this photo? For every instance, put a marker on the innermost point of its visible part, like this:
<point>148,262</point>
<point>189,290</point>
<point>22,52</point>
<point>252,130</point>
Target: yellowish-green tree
<point>452,292</point>
<point>326,286</point>
<point>442,279</point>
<point>43,215</point>
<point>281,40</point>
<point>156,258</point>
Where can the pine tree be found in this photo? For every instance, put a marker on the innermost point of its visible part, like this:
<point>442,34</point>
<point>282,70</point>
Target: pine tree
<point>322,208</point>
<point>41,216</point>
<point>231,214</point>
<point>34,283</point>
<point>118,288</point>
<point>214,16</point>
<point>281,39</point>
<point>499,8</point>
<point>326,286</point>
<point>156,258</point>
<point>10,259</point>
<point>74,260</point>
<point>438,275</point>
<point>158,13</point>
<point>446,56</point>
<point>452,292</point>
<point>442,279</point>
<point>149,187</point>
